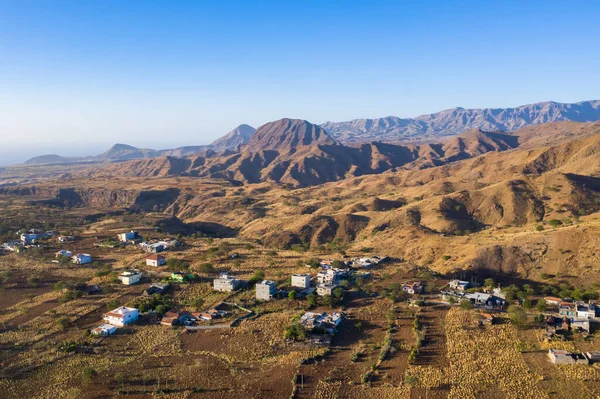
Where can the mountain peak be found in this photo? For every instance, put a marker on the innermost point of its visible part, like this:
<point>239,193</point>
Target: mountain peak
<point>287,135</point>
<point>239,135</point>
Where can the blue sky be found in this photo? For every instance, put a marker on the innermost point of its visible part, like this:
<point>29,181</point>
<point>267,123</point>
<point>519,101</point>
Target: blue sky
<point>78,76</point>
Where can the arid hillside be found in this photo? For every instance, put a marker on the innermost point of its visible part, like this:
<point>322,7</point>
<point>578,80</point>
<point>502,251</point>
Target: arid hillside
<point>488,205</point>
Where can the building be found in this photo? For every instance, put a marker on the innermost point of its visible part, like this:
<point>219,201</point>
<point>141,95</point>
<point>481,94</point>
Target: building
<point>28,239</point>
<point>104,330</point>
<point>328,276</point>
<point>326,289</point>
<point>125,237</point>
<point>593,356</point>
<point>486,319</point>
<point>266,289</point>
<point>174,317</point>
<point>226,283</point>
<point>459,285</point>
<point>559,356</point>
<point>413,288</point>
<point>552,301</point>
<point>321,321</point>
<point>82,259</point>
<point>121,316</point>
<point>64,239</point>
<point>301,280</point>
<point>585,311</point>
<point>567,309</point>
<point>130,278</point>
<point>156,260</point>
<point>157,288</point>
<point>64,252</point>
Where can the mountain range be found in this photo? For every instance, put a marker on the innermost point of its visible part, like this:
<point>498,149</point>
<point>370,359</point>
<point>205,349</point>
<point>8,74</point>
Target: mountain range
<point>458,120</point>
<point>423,129</point>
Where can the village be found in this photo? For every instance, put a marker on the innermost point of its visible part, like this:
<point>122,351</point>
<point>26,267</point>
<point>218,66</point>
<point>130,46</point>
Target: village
<point>321,301</point>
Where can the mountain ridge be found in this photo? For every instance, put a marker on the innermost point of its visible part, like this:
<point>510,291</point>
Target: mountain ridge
<point>454,121</point>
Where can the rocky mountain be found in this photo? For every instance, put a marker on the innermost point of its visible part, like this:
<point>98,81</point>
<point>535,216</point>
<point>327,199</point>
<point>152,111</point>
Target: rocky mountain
<point>299,153</point>
<point>458,120</point>
<point>124,152</point>
<point>232,140</point>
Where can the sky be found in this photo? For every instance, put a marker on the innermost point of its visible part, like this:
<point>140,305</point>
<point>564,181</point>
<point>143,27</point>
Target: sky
<point>78,76</point>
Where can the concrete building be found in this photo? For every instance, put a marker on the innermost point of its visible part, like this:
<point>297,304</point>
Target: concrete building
<point>301,280</point>
<point>459,285</point>
<point>121,316</point>
<point>324,321</point>
<point>559,356</point>
<point>413,288</point>
<point>265,290</point>
<point>130,278</point>
<point>326,289</point>
<point>328,276</point>
<point>226,283</point>
<point>156,260</point>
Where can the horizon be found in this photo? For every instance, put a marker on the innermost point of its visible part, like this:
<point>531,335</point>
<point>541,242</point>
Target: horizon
<point>83,76</point>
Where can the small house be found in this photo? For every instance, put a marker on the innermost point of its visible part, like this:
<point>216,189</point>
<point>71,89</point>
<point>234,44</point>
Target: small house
<point>64,252</point>
<point>552,301</point>
<point>156,288</point>
<point>104,330</point>
<point>585,311</point>
<point>125,237</point>
<point>28,239</point>
<point>121,316</point>
<point>130,278</point>
<point>412,288</point>
<point>567,309</point>
<point>459,285</point>
<point>82,259</point>
<point>63,239</point>
<point>559,356</point>
<point>174,317</point>
<point>593,356</point>
<point>487,319</point>
<point>265,290</point>
<point>322,321</point>
<point>156,260</point>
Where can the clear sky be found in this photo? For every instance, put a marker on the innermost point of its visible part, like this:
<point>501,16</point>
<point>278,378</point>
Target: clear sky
<point>77,76</point>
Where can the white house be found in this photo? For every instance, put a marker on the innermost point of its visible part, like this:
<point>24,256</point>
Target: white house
<point>130,278</point>
<point>301,280</point>
<point>104,330</point>
<point>29,238</point>
<point>124,237</point>
<point>82,259</point>
<point>414,288</point>
<point>328,276</point>
<point>156,260</point>
<point>121,316</point>
<point>64,252</point>
<point>325,321</point>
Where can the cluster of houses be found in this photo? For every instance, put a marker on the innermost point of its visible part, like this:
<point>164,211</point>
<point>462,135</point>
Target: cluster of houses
<point>457,292</point>
<point>155,247</point>
<point>175,317</point>
<point>366,262</point>
<point>571,315</point>
<point>27,239</point>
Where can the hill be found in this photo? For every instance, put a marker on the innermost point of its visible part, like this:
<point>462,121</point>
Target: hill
<point>458,120</point>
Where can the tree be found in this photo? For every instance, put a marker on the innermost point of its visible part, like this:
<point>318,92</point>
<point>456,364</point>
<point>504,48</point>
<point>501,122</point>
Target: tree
<point>63,322</point>
<point>541,305</point>
<point>466,304</point>
<point>527,304</point>
<point>489,282</point>
<point>197,303</point>
<point>338,264</point>
<point>452,300</point>
<point>295,332</point>
<point>259,275</point>
<point>517,315</point>
<point>292,295</point>
<point>311,301</point>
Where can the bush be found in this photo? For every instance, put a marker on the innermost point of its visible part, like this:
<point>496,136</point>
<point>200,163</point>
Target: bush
<point>292,294</point>
<point>539,227</point>
<point>206,268</point>
<point>113,304</point>
<point>466,304</point>
<point>555,223</point>
<point>517,315</point>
